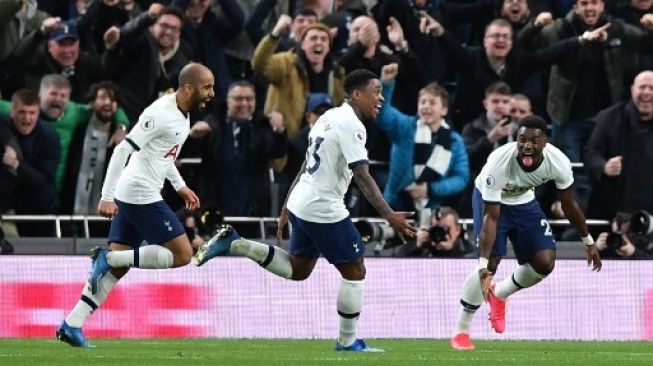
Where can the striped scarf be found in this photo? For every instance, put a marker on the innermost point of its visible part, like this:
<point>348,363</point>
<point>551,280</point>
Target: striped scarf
<point>432,152</point>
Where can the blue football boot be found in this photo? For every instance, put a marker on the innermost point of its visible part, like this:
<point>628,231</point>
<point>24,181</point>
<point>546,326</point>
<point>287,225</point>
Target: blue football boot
<point>218,245</point>
<point>358,346</point>
<point>72,336</point>
<point>99,268</point>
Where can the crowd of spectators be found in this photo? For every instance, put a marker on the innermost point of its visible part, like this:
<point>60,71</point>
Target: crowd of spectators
<point>457,75</point>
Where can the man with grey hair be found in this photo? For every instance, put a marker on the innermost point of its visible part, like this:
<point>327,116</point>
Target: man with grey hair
<point>66,115</point>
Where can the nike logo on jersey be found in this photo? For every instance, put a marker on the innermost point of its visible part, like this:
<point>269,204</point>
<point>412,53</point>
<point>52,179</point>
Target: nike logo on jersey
<point>177,133</point>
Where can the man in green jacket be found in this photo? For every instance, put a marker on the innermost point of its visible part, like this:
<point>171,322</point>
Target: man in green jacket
<point>66,116</point>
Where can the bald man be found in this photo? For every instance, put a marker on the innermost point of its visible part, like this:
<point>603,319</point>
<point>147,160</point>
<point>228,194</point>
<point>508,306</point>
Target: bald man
<point>131,197</point>
<point>618,155</point>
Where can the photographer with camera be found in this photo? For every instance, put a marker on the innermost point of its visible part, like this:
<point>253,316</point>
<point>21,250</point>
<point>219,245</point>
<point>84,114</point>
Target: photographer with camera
<point>630,237</point>
<point>443,239</point>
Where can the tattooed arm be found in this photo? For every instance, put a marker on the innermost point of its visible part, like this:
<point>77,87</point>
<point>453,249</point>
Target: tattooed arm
<point>371,191</point>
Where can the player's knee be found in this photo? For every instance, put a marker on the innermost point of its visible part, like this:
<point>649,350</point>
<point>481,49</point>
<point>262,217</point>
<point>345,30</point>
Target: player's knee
<point>354,272</point>
<point>544,268</point>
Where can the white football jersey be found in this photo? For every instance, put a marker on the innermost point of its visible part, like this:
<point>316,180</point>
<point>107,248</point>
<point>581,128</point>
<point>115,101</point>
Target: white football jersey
<point>503,180</point>
<point>336,145</point>
<point>157,138</point>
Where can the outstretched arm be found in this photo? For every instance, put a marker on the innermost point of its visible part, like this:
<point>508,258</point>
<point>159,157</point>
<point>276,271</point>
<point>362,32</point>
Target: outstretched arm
<point>577,219</point>
<point>371,191</point>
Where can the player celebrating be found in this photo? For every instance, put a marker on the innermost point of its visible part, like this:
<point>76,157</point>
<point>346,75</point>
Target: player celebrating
<point>131,196</point>
<point>315,207</point>
<point>504,207</point>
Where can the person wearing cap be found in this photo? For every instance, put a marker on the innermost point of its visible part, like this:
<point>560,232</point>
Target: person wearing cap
<point>238,154</point>
<point>294,74</point>
<point>54,49</point>
<point>317,104</point>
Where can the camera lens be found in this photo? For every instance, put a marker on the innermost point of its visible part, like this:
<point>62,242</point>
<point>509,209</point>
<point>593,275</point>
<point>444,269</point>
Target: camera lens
<point>437,233</point>
<point>614,240</point>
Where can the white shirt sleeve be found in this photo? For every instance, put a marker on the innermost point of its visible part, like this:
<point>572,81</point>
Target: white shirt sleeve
<point>492,180</point>
<point>352,138</point>
<point>175,178</point>
<point>116,165</point>
<point>145,130</point>
<point>563,175</point>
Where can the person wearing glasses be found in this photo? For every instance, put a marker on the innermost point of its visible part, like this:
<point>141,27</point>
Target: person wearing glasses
<point>496,60</point>
<point>242,143</point>
<point>144,57</point>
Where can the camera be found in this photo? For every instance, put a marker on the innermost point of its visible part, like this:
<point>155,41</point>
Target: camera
<point>615,240</point>
<point>210,219</point>
<point>438,233</point>
<point>641,223</point>
<point>374,231</point>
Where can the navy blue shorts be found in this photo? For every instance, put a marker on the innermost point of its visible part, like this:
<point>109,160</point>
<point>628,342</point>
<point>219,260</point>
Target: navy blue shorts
<point>525,225</point>
<point>338,242</point>
<point>154,222</point>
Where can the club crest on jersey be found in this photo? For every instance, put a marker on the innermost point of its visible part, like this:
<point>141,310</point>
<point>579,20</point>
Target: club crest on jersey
<point>360,136</point>
<point>147,125</point>
<point>489,181</point>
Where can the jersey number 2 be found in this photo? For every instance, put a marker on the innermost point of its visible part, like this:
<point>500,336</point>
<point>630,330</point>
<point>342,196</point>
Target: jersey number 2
<point>310,169</point>
<point>547,227</point>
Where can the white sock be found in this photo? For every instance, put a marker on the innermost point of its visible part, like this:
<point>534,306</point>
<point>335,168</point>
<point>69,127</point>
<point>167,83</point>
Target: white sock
<point>274,259</point>
<point>89,302</point>
<point>350,303</point>
<point>470,300</point>
<point>148,257</point>
<point>524,276</point>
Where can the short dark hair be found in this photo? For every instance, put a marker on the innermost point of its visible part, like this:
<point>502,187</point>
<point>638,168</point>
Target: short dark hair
<point>358,79</point>
<point>241,83</point>
<point>107,85</point>
<point>25,96</point>
<point>498,87</point>
<point>533,121</point>
<point>174,12</point>
<point>306,12</point>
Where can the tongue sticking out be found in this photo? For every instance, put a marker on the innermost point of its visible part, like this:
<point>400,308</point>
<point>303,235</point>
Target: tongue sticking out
<point>527,161</point>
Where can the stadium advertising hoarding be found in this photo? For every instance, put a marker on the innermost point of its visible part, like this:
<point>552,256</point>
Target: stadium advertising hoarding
<point>405,298</point>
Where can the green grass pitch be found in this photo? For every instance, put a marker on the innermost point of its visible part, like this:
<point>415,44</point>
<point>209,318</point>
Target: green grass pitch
<point>245,352</point>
